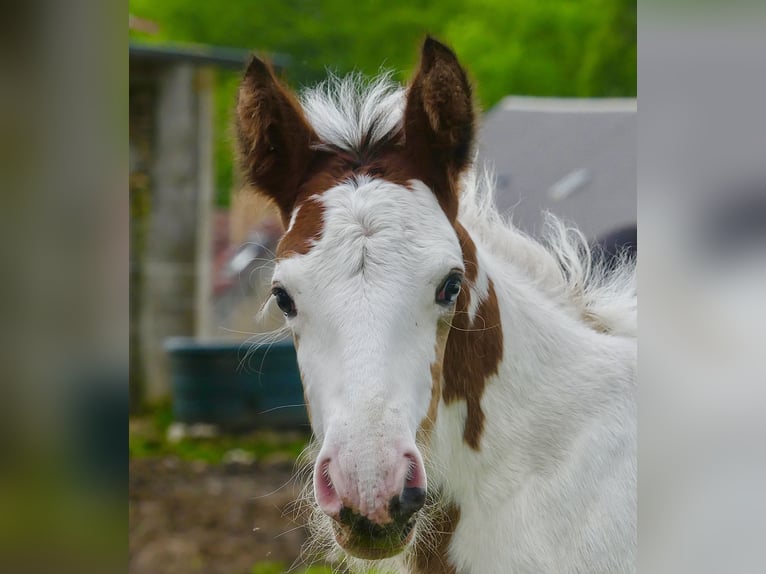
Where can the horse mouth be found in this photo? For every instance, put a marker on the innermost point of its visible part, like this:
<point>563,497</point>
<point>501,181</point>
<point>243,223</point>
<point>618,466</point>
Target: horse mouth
<point>364,539</point>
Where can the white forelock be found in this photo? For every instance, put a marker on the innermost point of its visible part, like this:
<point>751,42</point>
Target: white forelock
<point>353,112</point>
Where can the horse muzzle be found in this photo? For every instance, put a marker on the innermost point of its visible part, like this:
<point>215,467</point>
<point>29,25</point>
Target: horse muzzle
<point>363,538</point>
<point>374,512</point>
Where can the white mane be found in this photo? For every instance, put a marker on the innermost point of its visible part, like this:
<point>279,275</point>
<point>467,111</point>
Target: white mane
<point>354,113</point>
<point>563,265</point>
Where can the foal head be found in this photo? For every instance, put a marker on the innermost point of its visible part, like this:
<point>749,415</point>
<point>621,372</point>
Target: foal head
<point>368,275</point>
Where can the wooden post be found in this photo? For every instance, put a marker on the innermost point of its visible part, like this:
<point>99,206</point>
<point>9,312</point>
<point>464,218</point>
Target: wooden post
<point>168,301</point>
<point>205,198</point>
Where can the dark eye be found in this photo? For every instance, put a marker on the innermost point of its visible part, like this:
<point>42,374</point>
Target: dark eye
<point>285,302</point>
<point>449,290</point>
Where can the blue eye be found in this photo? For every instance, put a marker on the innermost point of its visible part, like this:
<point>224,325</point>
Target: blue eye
<point>284,301</point>
<point>449,290</point>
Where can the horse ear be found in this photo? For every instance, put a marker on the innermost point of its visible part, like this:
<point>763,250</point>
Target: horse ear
<point>439,113</point>
<point>273,135</point>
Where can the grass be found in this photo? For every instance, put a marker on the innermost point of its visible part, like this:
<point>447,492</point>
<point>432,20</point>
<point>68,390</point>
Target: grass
<point>148,438</point>
<point>281,568</point>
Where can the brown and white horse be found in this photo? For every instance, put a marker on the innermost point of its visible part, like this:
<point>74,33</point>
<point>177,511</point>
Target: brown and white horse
<point>471,390</point>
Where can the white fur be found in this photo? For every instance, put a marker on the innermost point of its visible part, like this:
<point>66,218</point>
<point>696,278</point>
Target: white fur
<point>366,326</point>
<point>552,488</point>
<point>344,111</point>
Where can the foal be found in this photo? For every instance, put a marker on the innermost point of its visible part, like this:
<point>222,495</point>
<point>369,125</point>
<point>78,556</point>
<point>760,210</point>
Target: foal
<point>472,390</point>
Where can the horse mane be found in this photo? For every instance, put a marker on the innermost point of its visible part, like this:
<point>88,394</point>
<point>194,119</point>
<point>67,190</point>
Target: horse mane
<point>359,115</point>
<point>562,263</point>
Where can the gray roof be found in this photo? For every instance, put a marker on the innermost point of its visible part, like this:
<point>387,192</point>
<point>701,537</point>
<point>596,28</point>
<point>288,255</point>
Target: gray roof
<point>201,55</point>
<point>574,157</point>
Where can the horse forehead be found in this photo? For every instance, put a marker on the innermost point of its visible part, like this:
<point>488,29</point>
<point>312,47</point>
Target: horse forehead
<point>371,218</point>
<point>379,210</point>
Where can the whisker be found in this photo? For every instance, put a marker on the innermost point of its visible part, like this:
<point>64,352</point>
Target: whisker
<point>268,338</point>
<point>262,246</point>
<point>273,492</point>
<point>235,331</point>
<point>271,410</point>
<point>495,326</point>
<point>288,531</point>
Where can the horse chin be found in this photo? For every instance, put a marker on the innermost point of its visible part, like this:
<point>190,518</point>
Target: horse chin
<point>375,544</point>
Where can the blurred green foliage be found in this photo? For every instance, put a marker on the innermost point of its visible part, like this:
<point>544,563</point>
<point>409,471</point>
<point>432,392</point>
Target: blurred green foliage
<point>578,48</point>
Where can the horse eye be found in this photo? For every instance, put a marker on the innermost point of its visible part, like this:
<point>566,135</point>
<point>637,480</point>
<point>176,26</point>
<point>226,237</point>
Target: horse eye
<point>284,301</point>
<point>449,290</point>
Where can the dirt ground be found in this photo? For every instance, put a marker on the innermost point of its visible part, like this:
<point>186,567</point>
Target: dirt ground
<point>189,517</point>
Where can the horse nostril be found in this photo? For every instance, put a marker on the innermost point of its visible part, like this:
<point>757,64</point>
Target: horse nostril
<point>408,503</point>
<point>413,499</point>
<point>324,489</point>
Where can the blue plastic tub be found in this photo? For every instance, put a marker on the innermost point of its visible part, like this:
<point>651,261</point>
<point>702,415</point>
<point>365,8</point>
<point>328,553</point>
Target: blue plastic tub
<point>227,384</point>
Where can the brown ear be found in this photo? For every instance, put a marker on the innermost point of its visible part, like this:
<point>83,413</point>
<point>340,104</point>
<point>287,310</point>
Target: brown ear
<point>274,137</point>
<point>439,115</point>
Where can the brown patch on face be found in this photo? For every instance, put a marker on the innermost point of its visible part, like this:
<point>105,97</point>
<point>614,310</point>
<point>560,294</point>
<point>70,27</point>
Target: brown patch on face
<point>305,231</point>
<point>325,172</point>
<point>306,403</point>
<point>435,141</point>
<point>468,248</point>
<point>436,387</point>
<point>427,424</point>
<point>305,398</point>
<point>474,348</point>
<point>431,556</point>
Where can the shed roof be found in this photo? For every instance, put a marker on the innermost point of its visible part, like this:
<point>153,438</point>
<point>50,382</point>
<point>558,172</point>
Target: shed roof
<point>201,55</point>
<point>574,157</point>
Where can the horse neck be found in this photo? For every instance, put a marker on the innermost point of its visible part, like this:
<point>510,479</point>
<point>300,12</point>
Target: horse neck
<point>552,370</point>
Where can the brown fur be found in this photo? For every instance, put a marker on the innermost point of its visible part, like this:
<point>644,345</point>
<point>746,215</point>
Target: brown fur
<point>431,555</point>
<point>306,230</point>
<point>427,424</point>
<point>474,349</point>
<point>274,137</point>
<point>326,170</point>
<point>439,123</point>
<point>437,378</point>
<point>468,247</point>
